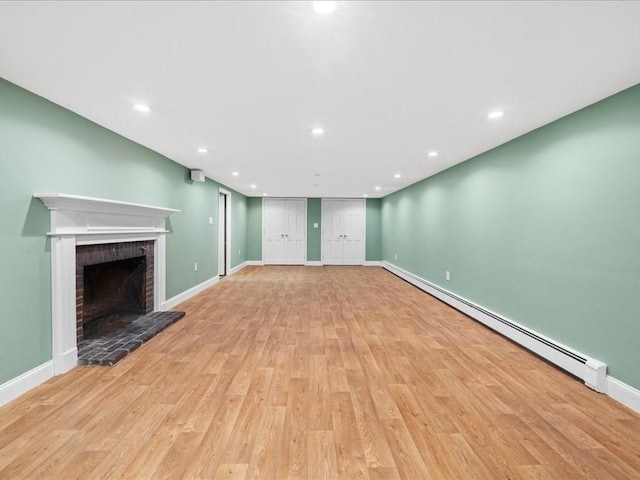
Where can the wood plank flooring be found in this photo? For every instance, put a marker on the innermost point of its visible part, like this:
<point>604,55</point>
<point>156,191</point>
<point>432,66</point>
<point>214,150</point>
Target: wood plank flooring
<point>313,373</point>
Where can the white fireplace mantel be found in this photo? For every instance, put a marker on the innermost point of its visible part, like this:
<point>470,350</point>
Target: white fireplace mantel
<point>78,220</point>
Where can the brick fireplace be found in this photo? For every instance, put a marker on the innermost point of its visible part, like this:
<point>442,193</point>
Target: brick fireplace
<point>113,278</point>
<point>87,229</point>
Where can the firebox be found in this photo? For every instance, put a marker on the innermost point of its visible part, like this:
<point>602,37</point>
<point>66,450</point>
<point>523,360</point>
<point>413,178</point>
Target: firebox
<point>112,279</point>
<point>114,287</point>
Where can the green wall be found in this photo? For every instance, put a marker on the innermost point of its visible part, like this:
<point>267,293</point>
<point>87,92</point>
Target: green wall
<point>543,230</point>
<point>374,230</point>
<point>314,235</point>
<point>254,229</point>
<point>47,149</point>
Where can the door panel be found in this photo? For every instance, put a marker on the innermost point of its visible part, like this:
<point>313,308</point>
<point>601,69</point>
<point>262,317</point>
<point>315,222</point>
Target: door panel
<point>284,231</point>
<point>274,230</point>
<point>343,232</point>
<point>295,235</point>
<point>353,228</point>
<point>332,233</point>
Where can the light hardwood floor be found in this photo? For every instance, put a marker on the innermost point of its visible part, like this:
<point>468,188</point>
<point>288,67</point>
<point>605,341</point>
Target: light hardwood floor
<point>319,372</point>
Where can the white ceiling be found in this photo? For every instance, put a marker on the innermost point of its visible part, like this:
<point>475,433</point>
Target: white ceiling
<point>388,81</point>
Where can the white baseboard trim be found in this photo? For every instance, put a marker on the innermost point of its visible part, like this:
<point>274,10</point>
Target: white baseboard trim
<point>313,263</point>
<point>623,393</point>
<point>574,362</point>
<point>372,263</point>
<point>237,268</point>
<point>25,382</point>
<point>187,294</point>
<point>254,263</point>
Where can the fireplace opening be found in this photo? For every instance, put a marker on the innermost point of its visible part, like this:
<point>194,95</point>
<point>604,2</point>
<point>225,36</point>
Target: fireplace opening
<point>110,290</point>
<point>113,281</point>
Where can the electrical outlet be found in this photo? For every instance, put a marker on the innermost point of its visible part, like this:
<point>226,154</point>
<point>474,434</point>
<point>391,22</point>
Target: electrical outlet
<point>195,267</point>
<point>396,256</point>
<point>238,252</point>
<point>315,225</point>
<point>210,220</point>
<point>448,275</point>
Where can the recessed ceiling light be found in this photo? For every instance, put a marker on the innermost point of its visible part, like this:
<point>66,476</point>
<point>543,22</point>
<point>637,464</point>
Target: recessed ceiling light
<point>377,188</point>
<point>202,150</point>
<point>365,195</point>
<point>397,175</point>
<point>265,194</point>
<point>253,186</point>
<point>317,131</point>
<point>316,185</point>
<point>496,114</point>
<point>235,174</point>
<point>324,7</point>
<point>141,107</point>
<point>433,154</point>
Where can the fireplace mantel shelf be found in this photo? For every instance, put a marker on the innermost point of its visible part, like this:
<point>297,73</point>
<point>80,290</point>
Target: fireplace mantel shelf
<point>77,203</point>
<point>78,215</point>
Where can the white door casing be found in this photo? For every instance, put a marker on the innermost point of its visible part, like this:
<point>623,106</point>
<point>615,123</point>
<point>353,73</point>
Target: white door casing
<point>224,232</point>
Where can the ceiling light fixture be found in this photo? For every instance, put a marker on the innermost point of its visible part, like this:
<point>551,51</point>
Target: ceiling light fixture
<point>433,154</point>
<point>265,194</point>
<point>141,107</point>
<point>377,188</point>
<point>202,150</point>
<point>365,195</point>
<point>235,174</point>
<point>397,175</point>
<point>324,7</point>
<point>317,131</point>
<point>495,115</point>
<point>253,186</point>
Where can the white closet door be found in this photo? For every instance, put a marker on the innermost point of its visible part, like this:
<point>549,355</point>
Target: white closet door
<point>353,232</point>
<point>343,224</point>
<point>274,230</point>
<point>295,232</point>
<point>285,231</point>
<point>332,250</point>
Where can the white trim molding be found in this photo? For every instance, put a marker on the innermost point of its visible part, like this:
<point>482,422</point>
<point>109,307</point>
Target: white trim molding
<point>237,268</point>
<point>25,382</point>
<point>623,393</point>
<point>193,291</point>
<point>77,220</point>
<point>591,371</point>
<point>187,294</point>
<point>313,263</point>
<point>372,263</point>
<point>254,263</point>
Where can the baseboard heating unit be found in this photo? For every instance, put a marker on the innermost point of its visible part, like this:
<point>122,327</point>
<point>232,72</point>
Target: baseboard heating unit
<point>591,371</point>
